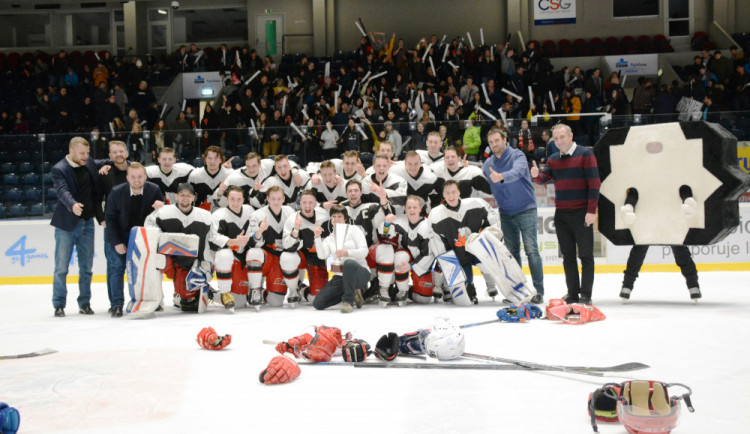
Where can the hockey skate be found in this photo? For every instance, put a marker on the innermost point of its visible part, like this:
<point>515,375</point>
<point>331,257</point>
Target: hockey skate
<point>293,298</point>
<point>227,299</point>
<point>625,294</point>
<point>695,294</point>
<point>384,297</point>
<point>492,292</point>
<point>255,298</point>
<point>401,299</point>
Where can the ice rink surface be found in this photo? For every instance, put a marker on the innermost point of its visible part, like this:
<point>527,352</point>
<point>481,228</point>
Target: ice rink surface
<point>150,376</point>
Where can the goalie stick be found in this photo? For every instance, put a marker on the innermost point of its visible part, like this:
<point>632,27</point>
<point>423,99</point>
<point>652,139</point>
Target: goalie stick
<point>625,367</point>
<point>27,355</point>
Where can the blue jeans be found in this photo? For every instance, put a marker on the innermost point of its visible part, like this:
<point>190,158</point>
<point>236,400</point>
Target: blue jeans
<point>115,273</point>
<point>524,225</point>
<point>82,238</point>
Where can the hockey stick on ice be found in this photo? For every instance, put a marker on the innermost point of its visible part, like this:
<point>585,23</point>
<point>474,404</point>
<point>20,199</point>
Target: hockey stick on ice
<point>412,356</point>
<point>625,367</point>
<point>27,355</point>
<point>428,365</point>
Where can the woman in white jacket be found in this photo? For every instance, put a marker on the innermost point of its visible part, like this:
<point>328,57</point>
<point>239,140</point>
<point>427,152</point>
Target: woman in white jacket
<point>351,274</point>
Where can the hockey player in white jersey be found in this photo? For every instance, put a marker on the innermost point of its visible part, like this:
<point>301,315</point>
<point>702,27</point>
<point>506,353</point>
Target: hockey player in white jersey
<point>266,246</point>
<point>230,227</point>
<point>433,155</point>
<point>190,275</point>
<point>469,228</point>
<point>291,180</point>
<point>208,181</point>
<point>249,178</point>
<point>168,174</point>
<point>329,190</point>
<point>299,250</point>
<point>420,180</point>
<point>394,185</point>
<point>471,180</point>
<point>412,232</point>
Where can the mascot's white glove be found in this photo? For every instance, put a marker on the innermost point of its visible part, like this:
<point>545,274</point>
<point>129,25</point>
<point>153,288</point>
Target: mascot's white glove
<point>689,207</point>
<point>628,214</point>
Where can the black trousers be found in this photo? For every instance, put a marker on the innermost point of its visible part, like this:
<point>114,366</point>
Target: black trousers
<point>682,258</point>
<point>341,287</point>
<point>573,233</point>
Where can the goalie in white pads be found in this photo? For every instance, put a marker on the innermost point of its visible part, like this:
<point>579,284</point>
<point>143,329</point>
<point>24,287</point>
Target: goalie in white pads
<point>299,250</point>
<point>266,246</point>
<point>230,227</point>
<point>413,233</point>
<point>190,275</point>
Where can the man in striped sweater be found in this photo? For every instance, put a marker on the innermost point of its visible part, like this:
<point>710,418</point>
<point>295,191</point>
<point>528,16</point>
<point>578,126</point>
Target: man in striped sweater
<point>577,182</point>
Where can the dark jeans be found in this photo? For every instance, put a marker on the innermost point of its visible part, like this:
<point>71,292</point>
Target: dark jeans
<point>115,275</point>
<point>341,287</point>
<point>572,232</point>
<point>681,257</point>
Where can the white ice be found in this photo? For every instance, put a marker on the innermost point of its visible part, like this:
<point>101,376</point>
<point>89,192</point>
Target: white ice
<point>150,376</point>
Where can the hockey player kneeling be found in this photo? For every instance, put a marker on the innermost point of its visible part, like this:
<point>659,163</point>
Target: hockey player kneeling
<point>466,229</point>
<point>190,274</point>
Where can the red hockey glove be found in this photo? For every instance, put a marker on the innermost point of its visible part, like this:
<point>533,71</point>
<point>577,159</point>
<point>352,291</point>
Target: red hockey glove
<point>355,350</point>
<point>210,340</point>
<point>295,345</point>
<point>280,370</point>
<point>324,344</point>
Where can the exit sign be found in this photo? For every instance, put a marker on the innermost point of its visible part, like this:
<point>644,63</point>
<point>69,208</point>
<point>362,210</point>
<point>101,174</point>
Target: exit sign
<point>268,11</point>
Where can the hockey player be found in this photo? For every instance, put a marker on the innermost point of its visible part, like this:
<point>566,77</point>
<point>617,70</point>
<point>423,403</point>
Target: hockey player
<point>470,179</point>
<point>351,167</point>
<point>249,177</point>
<point>291,180</point>
<point>230,227</point>
<point>267,229</point>
<point>433,154</point>
<point>329,190</point>
<point>394,185</point>
<point>168,174</point>
<point>420,180</point>
<point>299,246</point>
<point>190,275</point>
<point>413,233</point>
<point>348,246</point>
<point>208,181</point>
<point>453,222</point>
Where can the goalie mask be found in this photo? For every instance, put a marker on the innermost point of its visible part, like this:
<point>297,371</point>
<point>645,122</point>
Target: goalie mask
<point>444,342</point>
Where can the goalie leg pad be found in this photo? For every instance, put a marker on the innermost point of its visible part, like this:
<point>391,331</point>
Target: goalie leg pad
<point>497,261</point>
<point>255,258</point>
<point>223,262</point>
<point>143,267</point>
<point>453,272</point>
<point>460,295</point>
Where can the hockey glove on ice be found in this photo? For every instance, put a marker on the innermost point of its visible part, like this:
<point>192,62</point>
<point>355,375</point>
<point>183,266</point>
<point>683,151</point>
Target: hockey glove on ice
<point>355,350</point>
<point>210,340</point>
<point>387,347</point>
<point>323,345</point>
<point>295,345</point>
<point>281,369</point>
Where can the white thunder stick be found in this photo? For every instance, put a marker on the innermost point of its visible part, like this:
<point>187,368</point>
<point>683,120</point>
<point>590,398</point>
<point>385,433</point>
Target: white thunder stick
<point>531,97</point>
<point>252,77</point>
<point>432,65</point>
<point>471,43</point>
<point>515,95</point>
<point>380,98</point>
<point>283,106</point>
<point>298,130</point>
<point>489,115</point>
<point>361,30</point>
<point>445,53</point>
<point>481,36</point>
<point>184,102</point>
<point>552,101</point>
<point>327,70</point>
<point>255,130</point>
<point>378,75</point>
<point>354,86</point>
<point>255,107</point>
<point>486,95</point>
<point>237,57</point>
<point>163,109</point>
<point>424,56</point>
<point>304,111</point>
<point>453,65</point>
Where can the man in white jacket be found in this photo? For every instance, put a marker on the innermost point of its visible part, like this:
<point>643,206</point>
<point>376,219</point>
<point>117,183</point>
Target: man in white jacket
<point>349,251</point>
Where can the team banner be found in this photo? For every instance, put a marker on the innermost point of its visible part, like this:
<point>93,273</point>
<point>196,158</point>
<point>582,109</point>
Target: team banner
<point>547,12</point>
<point>634,64</point>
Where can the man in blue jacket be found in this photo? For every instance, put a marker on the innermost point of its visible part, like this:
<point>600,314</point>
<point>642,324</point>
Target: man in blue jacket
<point>74,177</point>
<point>128,205</point>
<point>510,181</point>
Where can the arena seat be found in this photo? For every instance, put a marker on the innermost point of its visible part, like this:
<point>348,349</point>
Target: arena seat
<point>6,168</point>
<point>50,194</point>
<point>36,209</point>
<point>16,210</point>
<point>30,178</point>
<point>32,194</point>
<point>25,167</point>
<point>10,179</point>
<point>2,211</point>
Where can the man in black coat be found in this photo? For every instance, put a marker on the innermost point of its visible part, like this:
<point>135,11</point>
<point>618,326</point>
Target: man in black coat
<point>127,207</point>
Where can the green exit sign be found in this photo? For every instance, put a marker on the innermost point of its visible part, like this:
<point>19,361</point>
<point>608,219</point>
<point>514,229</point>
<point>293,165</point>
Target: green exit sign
<point>268,11</point>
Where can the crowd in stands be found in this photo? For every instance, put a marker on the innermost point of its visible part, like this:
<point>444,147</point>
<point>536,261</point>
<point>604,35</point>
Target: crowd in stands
<point>317,107</point>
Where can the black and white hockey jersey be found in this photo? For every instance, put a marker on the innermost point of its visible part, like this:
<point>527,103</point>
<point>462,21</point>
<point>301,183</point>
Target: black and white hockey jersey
<point>226,225</point>
<point>395,187</point>
<point>241,179</point>
<point>169,218</point>
<point>416,239</point>
<point>290,188</point>
<point>369,216</point>
<point>425,185</point>
<point>272,238</point>
<point>427,160</point>
<point>168,182</point>
<point>451,224</point>
<point>206,186</point>
<point>471,180</point>
<point>325,194</point>
<point>305,240</point>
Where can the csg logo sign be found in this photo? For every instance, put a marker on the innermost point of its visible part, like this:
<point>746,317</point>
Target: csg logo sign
<point>19,254</point>
<point>554,5</point>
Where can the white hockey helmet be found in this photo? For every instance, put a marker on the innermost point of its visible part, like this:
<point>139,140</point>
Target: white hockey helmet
<point>444,342</point>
